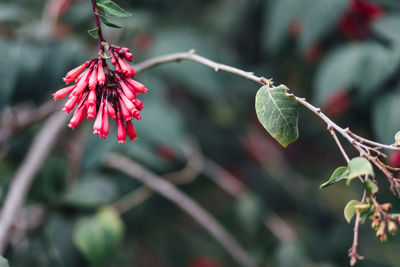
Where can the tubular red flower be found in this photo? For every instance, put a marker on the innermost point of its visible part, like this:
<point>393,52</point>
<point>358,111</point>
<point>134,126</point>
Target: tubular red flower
<point>111,110</point>
<point>139,105</point>
<point>130,130</point>
<point>72,74</point>
<point>78,117</point>
<point>71,102</point>
<point>82,84</point>
<point>98,123</point>
<point>128,56</point>
<point>92,97</point>
<point>105,127</point>
<point>93,78</point>
<point>126,68</point>
<point>91,112</point>
<point>127,91</point>
<point>63,92</point>
<point>121,131</point>
<point>101,77</point>
<point>137,86</point>
<point>130,106</point>
<point>126,114</point>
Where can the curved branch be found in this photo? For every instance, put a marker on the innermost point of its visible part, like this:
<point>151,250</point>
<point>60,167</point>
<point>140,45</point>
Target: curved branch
<point>192,56</point>
<point>22,181</point>
<point>180,199</point>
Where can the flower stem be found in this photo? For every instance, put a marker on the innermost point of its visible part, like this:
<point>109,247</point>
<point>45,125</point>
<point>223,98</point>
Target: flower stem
<point>98,25</point>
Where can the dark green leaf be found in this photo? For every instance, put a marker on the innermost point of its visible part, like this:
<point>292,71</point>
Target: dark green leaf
<point>109,24</point>
<point>278,113</point>
<point>339,71</point>
<point>350,210</point>
<point>338,175</point>
<point>249,211</point>
<point>358,167</point>
<point>90,192</point>
<point>321,16</point>
<point>97,237</point>
<point>3,262</point>
<point>388,27</point>
<point>94,33</point>
<point>8,71</point>
<point>281,14</point>
<point>371,187</point>
<point>111,9</point>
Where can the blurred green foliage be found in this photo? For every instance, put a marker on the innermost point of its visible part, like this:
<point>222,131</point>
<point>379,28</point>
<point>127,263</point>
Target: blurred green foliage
<point>302,43</point>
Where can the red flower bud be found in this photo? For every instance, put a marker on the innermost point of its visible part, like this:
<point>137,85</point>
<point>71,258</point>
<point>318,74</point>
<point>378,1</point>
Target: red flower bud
<point>121,131</point>
<point>394,159</point>
<point>72,74</point>
<point>138,104</point>
<point>101,77</point>
<point>93,78</point>
<point>71,102</point>
<point>130,130</point>
<point>98,123</point>
<point>63,92</point>
<point>137,86</point>
<point>126,114</point>
<point>111,110</point>
<point>105,128</point>
<point>78,117</point>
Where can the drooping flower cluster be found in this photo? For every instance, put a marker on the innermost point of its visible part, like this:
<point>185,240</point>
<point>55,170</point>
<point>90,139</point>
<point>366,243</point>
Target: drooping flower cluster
<point>100,92</point>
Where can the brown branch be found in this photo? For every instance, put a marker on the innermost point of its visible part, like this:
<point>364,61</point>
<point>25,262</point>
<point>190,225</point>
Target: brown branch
<point>21,183</point>
<point>191,56</point>
<point>180,199</point>
<point>192,169</point>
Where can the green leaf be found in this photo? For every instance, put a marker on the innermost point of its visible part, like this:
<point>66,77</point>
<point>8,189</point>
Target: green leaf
<point>111,9</point>
<point>320,18</point>
<point>350,210</point>
<point>339,71</point>
<point>90,192</point>
<point>94,33</point>
<point>249,211</point>
<point>397,139</point>
<point>388,27</point>
<point>278,113</point>
<point>109,24</point>
<point>3,262</point>
<point>8,70</point>
<point>371,187</point>
<point>362,66</point>
<point>97,237</point>
<point>358,167</point>
<point>338,175</point>
<point>280,14</point>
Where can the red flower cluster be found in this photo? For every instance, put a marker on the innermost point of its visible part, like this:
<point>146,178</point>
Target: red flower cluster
<point>105,92</point>
<point>356,23</point>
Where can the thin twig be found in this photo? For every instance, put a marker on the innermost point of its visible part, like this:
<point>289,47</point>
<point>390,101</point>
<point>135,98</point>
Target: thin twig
<point>23,178</point>
<point>353,250</point>
<point>346,157</point>
<point>192,56</point>
<point>180,199</point>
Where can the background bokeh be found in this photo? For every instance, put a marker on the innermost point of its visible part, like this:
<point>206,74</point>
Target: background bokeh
<point>343,55</point>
